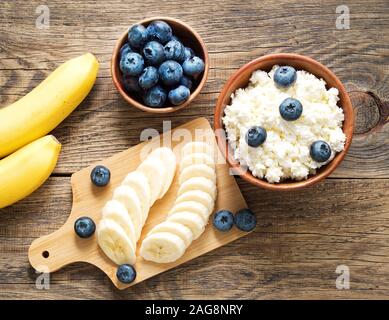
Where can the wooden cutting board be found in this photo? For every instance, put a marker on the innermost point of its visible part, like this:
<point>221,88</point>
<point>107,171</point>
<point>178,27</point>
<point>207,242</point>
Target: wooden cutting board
<point>52,252</point>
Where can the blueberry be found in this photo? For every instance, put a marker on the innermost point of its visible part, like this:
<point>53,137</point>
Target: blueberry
<point>137,36</point>
<point>291,109</point>
<point>154,53</point>
<point>126,273</point>
<point>131,83</point>
<point>174,38</point>
<point>155,97</point>
<point>188,53</point>
<point>193,66</point>
<point>187,82</point>
<point>84,227</point>
<point>170,72</point>
<point>320,151</point>
<point>100,176</point>
<point>159,31</point>
<point>285,76</point>
<point>132,64</point>
<point>223,220</point>
<point>179,95</point>
<point>125,49</point>
<point>255,136</point>
<point>148,78</point>
<point>174,50</point>
<point>245,220</point>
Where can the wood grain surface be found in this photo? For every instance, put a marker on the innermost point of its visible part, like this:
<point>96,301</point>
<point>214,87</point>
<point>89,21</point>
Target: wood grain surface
<point>301,237</point>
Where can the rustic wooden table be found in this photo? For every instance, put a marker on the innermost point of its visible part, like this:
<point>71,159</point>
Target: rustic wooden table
<point>301,237</point>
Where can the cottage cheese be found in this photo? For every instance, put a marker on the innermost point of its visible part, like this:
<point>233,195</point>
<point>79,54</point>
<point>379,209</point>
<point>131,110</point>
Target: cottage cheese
<point>285,153</point>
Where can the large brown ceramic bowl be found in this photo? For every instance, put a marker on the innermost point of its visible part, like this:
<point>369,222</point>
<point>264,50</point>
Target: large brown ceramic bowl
<point>189,38</point>
<point>241,78</point>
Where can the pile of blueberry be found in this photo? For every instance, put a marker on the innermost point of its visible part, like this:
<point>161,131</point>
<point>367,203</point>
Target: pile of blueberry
<point>290,110</point>
<point>157,66</point>
<point>244,220</point>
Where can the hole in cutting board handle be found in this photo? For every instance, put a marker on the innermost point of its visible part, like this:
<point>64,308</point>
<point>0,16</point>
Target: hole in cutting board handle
<point>45,254</point>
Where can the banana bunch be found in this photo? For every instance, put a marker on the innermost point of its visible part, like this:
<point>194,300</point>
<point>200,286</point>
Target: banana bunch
<point>124,216</point>
<point>187,219</point>
<point>31,118</point>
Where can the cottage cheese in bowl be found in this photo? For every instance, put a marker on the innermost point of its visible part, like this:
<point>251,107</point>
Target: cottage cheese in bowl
<point>285,154</point>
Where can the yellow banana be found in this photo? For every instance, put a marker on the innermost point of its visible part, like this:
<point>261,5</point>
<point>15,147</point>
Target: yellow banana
<point>24,171</point>
<point>46,106</point>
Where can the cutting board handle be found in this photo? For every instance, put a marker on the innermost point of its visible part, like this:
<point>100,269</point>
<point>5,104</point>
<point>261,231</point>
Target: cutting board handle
<point>60,248</point>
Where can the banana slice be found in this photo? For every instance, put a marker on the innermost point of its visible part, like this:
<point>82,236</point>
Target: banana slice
<point>139,183</point>
<point>116,211</point>
<point>192,206</point>
<point>197,147</point>
<point>115,243</point>
<point>197,158</point>
<point>199,196</point>
<point>197,170</point>
<point>191,220</point>
<point>168,158</point>
<point>154,170</point>
<point>162,247</point>
<point>128,197</point>
<point>176,228</point>
<point>198,183</point>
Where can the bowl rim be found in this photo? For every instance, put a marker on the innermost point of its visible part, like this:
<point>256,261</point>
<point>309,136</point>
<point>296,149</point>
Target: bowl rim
<point>224,146</point>
<point>139,105</point>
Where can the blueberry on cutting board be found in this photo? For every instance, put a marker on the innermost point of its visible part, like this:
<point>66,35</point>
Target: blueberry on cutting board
<point>126,273</point>
<point>223,220</point>
<point>84,227</point>
<point>100,176</point>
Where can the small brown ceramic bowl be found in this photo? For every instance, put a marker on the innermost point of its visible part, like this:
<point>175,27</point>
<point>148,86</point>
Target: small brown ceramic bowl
<point>241,78</point>
<point>189,38</point>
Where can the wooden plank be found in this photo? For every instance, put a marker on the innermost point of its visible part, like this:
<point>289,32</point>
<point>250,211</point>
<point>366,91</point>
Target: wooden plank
<point>300,240</point>
<point>359,56</point>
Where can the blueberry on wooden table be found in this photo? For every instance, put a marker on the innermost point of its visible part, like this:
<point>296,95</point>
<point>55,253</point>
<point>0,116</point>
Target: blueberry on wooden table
<point>137,36</point>
<point>193,66</point>
<point>84,227</point>
<point>291,109</point>
<point>320,151</point>
<point>179,95</point>
<point>285,76</point>
<point>245,220</point>
<point>100,176</point>
<point>159,31</point>
<point>255,136</point>
<point>126,273</point>
<point>154,53</point>
<point>223,220</point>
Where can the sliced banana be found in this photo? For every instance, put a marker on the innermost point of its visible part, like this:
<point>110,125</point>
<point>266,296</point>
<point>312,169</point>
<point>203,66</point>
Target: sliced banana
<point>130,200</point>
<point>162,247</point>
<point>168,158</point>
<point>197,170</point>
<point>114,242</point>
<point>191,220</point>
<point>116,211</point>
<point>199,196</point>
<point>139,183</point>
<point>154,170</point>
<point>198,183</point>
<point>197,147</point>
<point>176,228</point>
<point>192,206</point>
<point>196,158</point>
